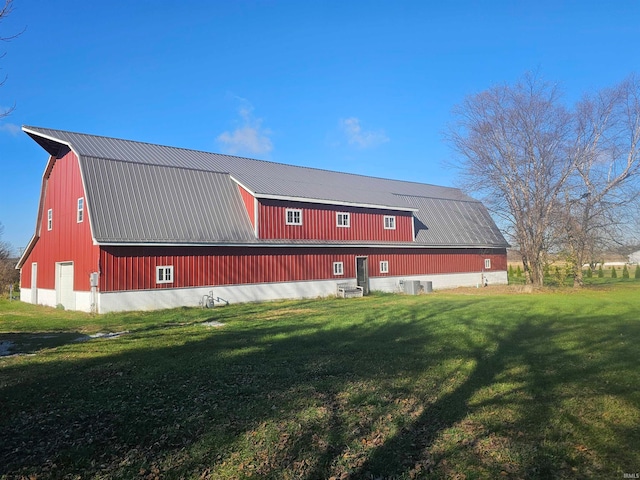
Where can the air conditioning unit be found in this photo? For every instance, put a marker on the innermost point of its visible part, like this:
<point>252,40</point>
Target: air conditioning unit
<point>412,287</point>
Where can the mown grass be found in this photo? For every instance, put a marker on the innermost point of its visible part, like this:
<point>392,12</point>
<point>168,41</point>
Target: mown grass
<point>472,385</point>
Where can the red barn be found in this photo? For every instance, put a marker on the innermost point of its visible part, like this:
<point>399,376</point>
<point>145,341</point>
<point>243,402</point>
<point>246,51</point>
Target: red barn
<point>125,225</point>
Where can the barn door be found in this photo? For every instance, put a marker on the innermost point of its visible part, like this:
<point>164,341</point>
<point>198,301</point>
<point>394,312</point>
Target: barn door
<point>362,274</point>
<point>64,286</point>
<point>34,283</point>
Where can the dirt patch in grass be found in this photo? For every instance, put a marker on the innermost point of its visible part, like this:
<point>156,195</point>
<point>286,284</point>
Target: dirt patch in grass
<point>31,343</point>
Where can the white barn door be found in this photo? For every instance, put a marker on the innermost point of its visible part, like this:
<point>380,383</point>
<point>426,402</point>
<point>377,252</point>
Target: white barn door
<point>34,283</point>
<point>64,286</point>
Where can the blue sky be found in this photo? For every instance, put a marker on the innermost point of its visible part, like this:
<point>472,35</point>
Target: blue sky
<point>357,86</point>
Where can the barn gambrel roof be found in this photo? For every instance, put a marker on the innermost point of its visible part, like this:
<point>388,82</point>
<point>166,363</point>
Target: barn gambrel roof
<point>145,193</point>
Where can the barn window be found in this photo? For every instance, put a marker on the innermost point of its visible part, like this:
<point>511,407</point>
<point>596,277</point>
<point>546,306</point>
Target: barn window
<point>384,266</point>
<point>80,216</point>
<point>293,216</point>
<point>343,219</point>
<point>487,263</point>
<point>50,219</point>
<point>164,274</point>
<point>389,222</point>
<point>338,268</point>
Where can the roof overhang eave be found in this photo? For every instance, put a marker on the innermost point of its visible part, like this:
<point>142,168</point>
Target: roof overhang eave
<point>40,138</point>
<point>27,251</point>
<point>258,243</point>
<point>323,201</point>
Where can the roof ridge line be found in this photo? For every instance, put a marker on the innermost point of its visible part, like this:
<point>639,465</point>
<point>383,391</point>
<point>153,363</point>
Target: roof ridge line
<point>465,200</point>
<point>243,158</point>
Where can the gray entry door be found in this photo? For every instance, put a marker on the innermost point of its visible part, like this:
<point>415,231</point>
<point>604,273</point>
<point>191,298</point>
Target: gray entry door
<point>362,274</point>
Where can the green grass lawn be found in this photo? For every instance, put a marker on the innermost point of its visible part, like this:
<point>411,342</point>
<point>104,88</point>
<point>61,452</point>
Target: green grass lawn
<point>467,384</point>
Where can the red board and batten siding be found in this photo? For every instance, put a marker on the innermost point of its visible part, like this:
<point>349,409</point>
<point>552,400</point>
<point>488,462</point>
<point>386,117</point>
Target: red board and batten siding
<point>68,240</point>
<point>319,223</point>
<point>249,203</point>
<point>133,268</point>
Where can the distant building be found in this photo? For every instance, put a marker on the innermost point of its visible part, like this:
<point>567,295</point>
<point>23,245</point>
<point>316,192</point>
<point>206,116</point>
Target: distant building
<point>124,225</point>
<point>635,257</point>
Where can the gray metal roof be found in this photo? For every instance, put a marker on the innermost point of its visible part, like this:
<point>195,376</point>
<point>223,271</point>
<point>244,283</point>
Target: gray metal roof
<point>123,178</point>
<point>439,220</point>
<point>153,204</point>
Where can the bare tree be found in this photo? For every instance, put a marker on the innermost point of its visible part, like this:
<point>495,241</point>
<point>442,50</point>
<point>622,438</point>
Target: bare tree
<point>512,142</point>
<point>4,13</point>
<point>604,186</point>
<point>8,273</point>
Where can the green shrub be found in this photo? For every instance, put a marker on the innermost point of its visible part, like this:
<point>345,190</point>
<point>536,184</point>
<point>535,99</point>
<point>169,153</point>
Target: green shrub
<point>518,272</point>
<point>600,272</point>
<point>569,272</point>
<point>637,275</point>
<point>588,273</point>
<point>625,272</point>
<point>614,274</point>
<point>511,272</point>
<point>560,275</point>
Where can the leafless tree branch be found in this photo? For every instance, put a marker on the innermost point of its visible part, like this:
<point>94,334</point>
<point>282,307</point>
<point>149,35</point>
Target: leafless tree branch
<point>4,13</point>
<point>512,145</point>
<point>560,180</point>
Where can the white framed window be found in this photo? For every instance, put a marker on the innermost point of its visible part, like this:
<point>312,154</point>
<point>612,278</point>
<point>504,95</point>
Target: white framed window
<point>80,216</point>
<point>293,216</point>
<point>389,222</point>
<point>487,263</point>
<point>343,219</point>
<point>164,274</point>
<point>338,268</point>
<point>50,219</point>
<point>384,266</point>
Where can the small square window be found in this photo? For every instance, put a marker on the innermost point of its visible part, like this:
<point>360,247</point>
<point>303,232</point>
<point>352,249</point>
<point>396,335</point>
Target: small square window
<point>50,219</point>
<point>487,263</point>
<point>80,216</point>
<point>338,268</point>
<point>384,266</point>
<point>343,219</point>
<point>293,216</point>
<point>164,274</point>
<point>389,222</point>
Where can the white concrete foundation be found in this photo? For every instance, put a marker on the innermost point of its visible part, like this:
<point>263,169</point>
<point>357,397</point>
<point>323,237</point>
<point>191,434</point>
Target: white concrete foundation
<point>48,298</point>
<point>440,282</point>
<point>191,297</point>
<point>45,297</point>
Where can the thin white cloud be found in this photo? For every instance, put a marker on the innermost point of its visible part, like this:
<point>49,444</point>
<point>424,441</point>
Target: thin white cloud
<point>360,138</point>
<point>250,137</point>
<point>10,128</point>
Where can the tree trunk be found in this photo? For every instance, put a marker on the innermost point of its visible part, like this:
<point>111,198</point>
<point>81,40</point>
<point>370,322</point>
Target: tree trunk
<point>578,281</point>
<point>537,274</point>
<point>534,272</point>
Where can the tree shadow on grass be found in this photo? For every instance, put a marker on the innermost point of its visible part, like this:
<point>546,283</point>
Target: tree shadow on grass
<point>544,376</point>
<point>300,398</point>
<point>154,393</point>
<point>410,450</point>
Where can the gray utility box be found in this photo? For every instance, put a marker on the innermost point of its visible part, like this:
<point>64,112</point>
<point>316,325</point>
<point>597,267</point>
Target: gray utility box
<point>412,287</point>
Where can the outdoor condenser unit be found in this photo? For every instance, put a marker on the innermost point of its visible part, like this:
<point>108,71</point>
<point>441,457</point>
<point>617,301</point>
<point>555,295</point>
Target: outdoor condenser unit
<point>412,287</point>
